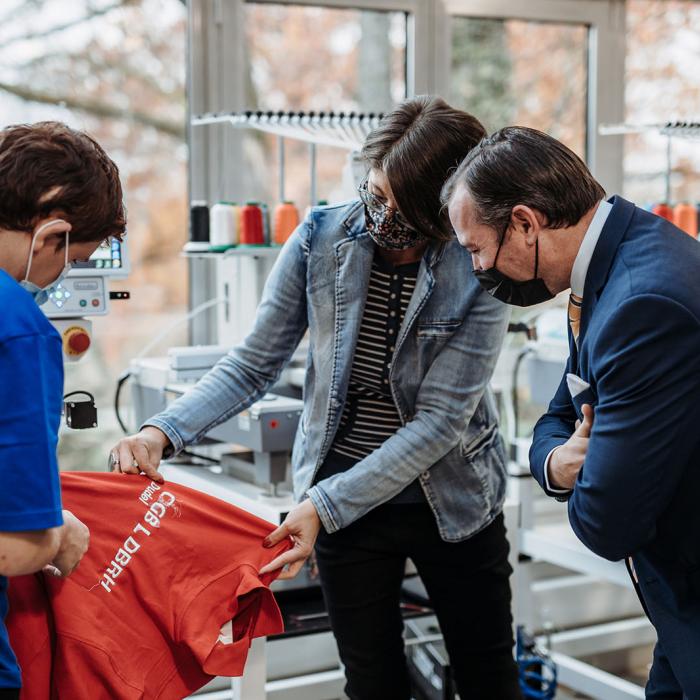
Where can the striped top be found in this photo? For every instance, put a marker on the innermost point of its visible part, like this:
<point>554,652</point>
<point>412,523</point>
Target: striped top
<point>370,415</point>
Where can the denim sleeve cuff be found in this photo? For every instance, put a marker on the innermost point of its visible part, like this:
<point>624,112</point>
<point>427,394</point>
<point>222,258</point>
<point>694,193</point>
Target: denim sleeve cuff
<point>323,508</point>
<point>175,439</point>
<point>555,492</point>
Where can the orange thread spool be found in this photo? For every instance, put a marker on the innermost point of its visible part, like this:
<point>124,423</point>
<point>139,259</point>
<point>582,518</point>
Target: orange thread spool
<point>663,210</point>
<point>252,230</point>
<point>685,216</point>
<point>286,220</point>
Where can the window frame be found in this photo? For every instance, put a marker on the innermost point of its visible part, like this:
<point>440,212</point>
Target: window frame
<point>605,20</point>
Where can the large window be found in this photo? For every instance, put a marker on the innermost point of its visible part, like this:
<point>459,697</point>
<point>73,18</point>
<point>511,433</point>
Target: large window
<point>117,70</point>
<point>661,84</point>
<point>527,73</point>
<point>318,59</point>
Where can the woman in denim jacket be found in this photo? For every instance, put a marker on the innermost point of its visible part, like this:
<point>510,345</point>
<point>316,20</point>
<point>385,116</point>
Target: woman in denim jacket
<point>397,453</point>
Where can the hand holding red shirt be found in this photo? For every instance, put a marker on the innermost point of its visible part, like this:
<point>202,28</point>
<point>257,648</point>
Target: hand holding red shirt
<point>168,595</point>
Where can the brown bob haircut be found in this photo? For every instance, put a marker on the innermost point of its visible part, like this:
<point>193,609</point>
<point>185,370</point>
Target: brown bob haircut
<point>417,146</point>
<point>48,167</point>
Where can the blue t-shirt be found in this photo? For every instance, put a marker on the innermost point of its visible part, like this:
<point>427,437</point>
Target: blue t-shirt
<point>31,395</point>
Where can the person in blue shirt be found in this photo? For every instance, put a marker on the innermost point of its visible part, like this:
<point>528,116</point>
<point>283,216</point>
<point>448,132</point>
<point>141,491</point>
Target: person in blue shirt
<point>60,197</point>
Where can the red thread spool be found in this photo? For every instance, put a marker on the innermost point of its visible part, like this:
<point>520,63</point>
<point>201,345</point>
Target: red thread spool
<point>685,216</point>
<point>663,210</point>
<point>286,220</point>
<point>252,231</point>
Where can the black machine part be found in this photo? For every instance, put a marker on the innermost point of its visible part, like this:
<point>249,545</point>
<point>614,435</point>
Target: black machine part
<point>80,414</point>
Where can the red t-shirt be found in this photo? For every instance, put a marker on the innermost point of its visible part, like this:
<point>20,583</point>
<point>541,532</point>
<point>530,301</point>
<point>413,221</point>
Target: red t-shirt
<point>167,596</point>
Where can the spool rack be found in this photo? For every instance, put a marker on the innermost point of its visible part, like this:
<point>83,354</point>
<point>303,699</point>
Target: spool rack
<point>673,129</point>
<point>346,130</point>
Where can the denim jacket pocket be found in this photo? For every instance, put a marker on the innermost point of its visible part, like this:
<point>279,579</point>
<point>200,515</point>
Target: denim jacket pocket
<point>464,482</point>
<point>486,458</point>
<point>438,329</point>
<point>483,441</point>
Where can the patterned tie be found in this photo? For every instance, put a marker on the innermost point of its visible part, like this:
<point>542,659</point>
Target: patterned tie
<point>575,302</point>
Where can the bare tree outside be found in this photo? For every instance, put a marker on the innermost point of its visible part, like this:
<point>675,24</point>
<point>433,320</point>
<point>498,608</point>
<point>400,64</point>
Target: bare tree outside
<point>374,63</point>
<point>527,73</point>
<point>115,68</point>
<point>481,71</point>
<point>661,85</point>
<point>356,61</point>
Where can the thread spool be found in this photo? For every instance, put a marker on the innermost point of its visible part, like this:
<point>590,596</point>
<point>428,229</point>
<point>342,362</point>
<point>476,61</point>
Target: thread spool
<point>267,234</point>
<point>252,231</point>
<point>663,210</point>
<point>199,222</point>
<point>223,226</point>
<point>685,216</point>
<point>199,228</point>
<point>286,220</point>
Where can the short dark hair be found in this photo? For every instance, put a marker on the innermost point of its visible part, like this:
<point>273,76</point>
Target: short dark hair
<point>416,146</point>
<point>518,165</point>
<point>47,167</point>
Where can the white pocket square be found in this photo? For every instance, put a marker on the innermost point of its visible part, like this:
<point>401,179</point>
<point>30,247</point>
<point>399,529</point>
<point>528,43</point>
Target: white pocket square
<point>576,385</point>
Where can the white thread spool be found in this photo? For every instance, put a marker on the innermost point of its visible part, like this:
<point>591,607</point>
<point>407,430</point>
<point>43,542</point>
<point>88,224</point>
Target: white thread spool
<point>223,225</point>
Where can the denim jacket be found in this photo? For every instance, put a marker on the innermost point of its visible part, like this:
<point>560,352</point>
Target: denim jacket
<point>445,355</point>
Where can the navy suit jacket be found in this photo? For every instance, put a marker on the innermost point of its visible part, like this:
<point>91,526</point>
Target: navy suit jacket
<point>638,493</point>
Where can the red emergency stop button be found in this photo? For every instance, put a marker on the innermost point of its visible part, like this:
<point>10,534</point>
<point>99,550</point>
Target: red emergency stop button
<point>79,342</point>
<point>76,341</point>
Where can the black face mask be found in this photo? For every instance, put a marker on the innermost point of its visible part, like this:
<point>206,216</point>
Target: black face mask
<point>511,291</point>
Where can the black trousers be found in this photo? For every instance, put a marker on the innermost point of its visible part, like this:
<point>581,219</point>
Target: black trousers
<point>9,694</point>
<point>362,567</point>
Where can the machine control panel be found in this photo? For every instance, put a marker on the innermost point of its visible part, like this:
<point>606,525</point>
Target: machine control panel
<point>85,292</point>
<point>77,296</point>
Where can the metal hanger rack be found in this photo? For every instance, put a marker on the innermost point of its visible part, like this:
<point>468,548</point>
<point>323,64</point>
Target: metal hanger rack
<point>346,130</point>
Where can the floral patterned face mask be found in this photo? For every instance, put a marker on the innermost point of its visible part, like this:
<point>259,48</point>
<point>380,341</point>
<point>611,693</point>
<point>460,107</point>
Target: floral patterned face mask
<point>385,225</point>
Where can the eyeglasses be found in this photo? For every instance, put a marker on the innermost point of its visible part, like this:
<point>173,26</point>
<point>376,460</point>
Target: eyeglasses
<point>376,205</point>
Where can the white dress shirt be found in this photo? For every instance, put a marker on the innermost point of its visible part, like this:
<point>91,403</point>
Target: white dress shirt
<point>578,282</point>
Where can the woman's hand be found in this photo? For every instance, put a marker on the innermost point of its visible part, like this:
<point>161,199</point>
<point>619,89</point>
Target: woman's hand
<point>140,453</point>
<point>302,525</point>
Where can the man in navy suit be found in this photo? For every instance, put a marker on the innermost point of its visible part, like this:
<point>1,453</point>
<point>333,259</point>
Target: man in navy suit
<point>621,438</point>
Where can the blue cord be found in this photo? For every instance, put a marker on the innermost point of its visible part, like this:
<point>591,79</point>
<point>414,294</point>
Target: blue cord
<point>537,673</point>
